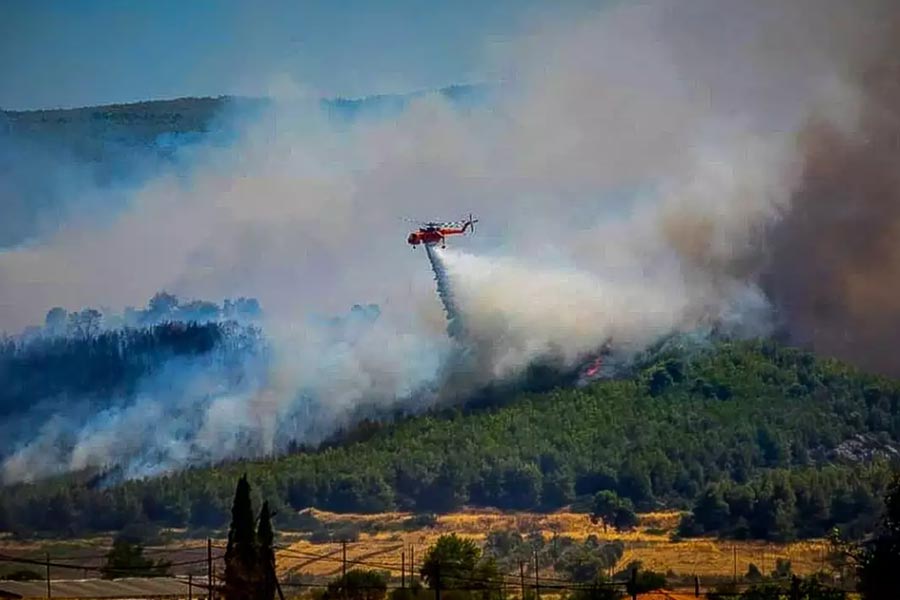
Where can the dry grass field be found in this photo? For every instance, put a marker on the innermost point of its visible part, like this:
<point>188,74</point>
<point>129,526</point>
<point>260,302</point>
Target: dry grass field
<point>383,537</point>
<point>650,543</point>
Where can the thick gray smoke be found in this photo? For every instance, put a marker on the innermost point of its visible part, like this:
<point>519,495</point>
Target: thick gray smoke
<point>627,180</point>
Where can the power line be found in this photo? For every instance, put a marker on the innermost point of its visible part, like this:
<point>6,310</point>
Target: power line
<point>457,582</point>
<point>58,565</point>
<point>312,557</point>
<point>331,558</point>
<point>508,578</point>
<point>545,582</point>
<point>146,551</point>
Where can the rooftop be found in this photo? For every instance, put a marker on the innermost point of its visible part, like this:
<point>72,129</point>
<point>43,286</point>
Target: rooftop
<point>120,589</point>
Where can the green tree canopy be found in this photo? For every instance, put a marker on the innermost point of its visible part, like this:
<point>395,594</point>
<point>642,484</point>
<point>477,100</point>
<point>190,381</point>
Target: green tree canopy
<point>879,559</point>
<point>610,509</point>
<point>126,559</point>
<point>456,563</point>
<point>358,584</point>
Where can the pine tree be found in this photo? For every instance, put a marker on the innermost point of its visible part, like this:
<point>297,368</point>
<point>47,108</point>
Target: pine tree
<point>266,537</point>
<point>241,560</point>
<point>879,560</point>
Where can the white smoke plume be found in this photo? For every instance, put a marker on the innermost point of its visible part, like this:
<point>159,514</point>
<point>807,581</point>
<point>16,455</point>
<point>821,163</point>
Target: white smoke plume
<point>445,291</point>
<point>624,179</point>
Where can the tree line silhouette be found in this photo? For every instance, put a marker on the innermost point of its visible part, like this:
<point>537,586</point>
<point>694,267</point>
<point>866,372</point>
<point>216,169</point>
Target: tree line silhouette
<point>88,353</point>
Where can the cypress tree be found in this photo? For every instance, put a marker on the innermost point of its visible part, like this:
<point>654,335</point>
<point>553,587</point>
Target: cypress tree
<point>266,537</point>
<point>241,560</point>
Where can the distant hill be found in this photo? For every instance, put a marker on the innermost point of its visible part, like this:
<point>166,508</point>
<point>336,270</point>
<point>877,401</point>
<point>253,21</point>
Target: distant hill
<point>53,162</point>
<point>759,440</point>
<point>146,121</point>
<point>141,119</point>
<point>96,133</point>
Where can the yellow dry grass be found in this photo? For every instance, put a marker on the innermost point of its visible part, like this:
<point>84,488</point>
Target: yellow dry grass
<point>649,543</point>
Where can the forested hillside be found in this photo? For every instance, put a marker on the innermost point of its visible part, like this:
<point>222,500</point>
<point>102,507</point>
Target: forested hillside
<point>760,440</point>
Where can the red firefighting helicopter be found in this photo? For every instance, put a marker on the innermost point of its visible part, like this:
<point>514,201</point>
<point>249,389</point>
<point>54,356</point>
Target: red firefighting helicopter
<point>432,233</point>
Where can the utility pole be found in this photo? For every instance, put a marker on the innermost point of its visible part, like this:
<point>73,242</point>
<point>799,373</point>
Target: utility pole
<point>403,570</point>
<point>49,594</point>
<point>795,587</point>
<point>522,578</point>
<point>537,580</point>
<point>734,560</point>
<point>190,587</point>
<point>412,564</point>
<point>209,572</point>
<point>278,589</point>
<point>437,581</point>
<point>344,568</point>
<point>633,583</point>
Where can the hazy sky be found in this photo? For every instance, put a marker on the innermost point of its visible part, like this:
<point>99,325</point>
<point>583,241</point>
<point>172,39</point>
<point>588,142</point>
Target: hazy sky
<point>65,53</point>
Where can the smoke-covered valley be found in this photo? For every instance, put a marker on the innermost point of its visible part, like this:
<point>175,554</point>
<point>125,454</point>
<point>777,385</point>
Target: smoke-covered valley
<point>641,172</point>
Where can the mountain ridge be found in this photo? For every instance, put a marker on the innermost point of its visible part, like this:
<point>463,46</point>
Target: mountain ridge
<point>451,92</point>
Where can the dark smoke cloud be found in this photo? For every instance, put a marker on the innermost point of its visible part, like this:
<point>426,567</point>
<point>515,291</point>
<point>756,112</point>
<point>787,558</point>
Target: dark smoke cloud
<point>834,260</point>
